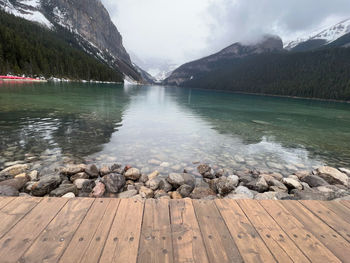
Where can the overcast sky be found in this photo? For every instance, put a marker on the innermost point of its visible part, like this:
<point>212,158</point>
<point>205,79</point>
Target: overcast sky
<point>182,30</point>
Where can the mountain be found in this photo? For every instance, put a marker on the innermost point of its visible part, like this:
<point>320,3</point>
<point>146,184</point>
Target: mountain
<point>189,71</point>
<point>87,20</point>
<point>33,50</point>
<point>320,39</point>
<point>267,68</point>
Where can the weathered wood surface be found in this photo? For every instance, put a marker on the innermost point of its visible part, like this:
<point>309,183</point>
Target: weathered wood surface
<point>128,230</point>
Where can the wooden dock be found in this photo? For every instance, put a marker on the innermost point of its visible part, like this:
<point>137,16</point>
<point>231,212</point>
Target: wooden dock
<point>113,230</point>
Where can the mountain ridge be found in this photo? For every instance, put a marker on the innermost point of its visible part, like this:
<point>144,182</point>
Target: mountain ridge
<point>90,23</point>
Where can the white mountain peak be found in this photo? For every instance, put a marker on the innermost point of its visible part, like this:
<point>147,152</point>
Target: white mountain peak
<point>328,34</point>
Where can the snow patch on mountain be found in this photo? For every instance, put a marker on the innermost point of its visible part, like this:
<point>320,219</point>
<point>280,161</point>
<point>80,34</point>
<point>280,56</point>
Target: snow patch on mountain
<point>28,9</point>
<point>329,34</point>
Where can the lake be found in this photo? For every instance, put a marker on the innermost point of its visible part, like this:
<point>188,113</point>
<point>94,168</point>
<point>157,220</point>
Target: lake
<point>169,129</point>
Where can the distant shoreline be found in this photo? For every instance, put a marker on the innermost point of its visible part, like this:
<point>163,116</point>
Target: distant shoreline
<point>266,94</point>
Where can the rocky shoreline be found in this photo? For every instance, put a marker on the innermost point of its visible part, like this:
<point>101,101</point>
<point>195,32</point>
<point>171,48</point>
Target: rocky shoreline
<point>82,180</point>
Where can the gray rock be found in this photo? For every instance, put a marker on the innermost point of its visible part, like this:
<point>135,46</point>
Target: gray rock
<point>292,183</point>
<point>237,196</point>
<point>146,192</point>
<point>160,193</point>
<point>310,195</point>
<point>116,168</point>
<point>79,183</point>
<point>153,184</point>
<point>226,185</point>
<point>164,185</point>
<point>246,179</point>
<point>69,195</point>
<point>266,196</point>
<point>345,171</point>
<point>143,178</point>
<point>242,190</point>
<point>45,185</point>
<point>77,176</point>
<point>206,171</point>
<point>185,190</point>
<point>347,198</point>
<point>88,186</point>
<point>314,180</point>
<point>12,171</point>
<point>73,169</point>
<point>92,171</point>
<point>114,182</point>
<point>277,186</point>
<point>64,189</point>
<point>127,194</point>
<point>138,185</point>
<point>98,190</point>
<point>176,180</point>
<point>6,190</point>
<point>133,174</point>
<point>202,193</point>
<point>33,175</point>
<point>17,183</point>
<point>104,170</point>
<point>332,175</point>
<point>258,185</point>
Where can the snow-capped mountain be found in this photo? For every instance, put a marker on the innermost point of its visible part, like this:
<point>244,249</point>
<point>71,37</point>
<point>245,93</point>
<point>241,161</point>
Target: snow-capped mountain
<point>87,20</point>
<point>325,36</point>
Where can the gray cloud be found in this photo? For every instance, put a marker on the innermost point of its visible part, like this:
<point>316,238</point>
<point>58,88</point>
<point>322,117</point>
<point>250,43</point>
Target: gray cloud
<point>182,30</point>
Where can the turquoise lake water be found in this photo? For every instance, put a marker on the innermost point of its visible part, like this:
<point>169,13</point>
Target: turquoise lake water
<point>169,129</point>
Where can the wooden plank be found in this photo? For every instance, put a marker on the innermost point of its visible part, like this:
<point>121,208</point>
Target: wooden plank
<point>217,238</point>
<point>345,203</point>
<point>49,246</point>
<point>21,236</point>
<point>156,240</point>
<point>339,209</point>
<point>84,234</point>
<point>248,241</point>
<point>187,239</point>
<point>15,211</point>
<point>334,242</point>
<point>329,217</point>
<point>304,239</point>
<point>5,200</point>
<point>124,237</point>
<point>97,243</point>
<point>280,245</point>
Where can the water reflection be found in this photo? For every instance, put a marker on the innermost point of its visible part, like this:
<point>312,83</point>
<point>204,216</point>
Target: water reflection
<point>169,129</point>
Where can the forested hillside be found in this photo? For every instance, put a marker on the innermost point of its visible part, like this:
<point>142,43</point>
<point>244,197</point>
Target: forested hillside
<point>323,73</point>
<point>28,48</point>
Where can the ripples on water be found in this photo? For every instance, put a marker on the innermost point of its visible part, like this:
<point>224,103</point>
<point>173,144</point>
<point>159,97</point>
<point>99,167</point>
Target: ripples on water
<point>169,129</point>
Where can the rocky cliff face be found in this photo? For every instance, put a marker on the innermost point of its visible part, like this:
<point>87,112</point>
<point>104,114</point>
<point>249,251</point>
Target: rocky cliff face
<point>88,20</point>
<point>236,51</point>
